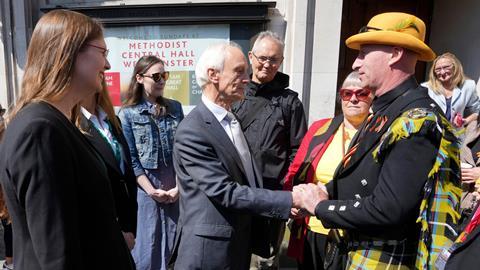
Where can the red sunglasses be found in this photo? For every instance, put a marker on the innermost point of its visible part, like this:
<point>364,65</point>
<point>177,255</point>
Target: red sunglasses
<point>361,94</point>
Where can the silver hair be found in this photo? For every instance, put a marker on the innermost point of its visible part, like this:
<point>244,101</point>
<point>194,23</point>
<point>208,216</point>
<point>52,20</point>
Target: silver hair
<point>212,57</point>
<point>352,80</point>
<point>268,34</point>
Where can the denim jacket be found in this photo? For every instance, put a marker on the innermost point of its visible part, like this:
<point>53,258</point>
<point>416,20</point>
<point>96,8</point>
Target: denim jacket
<point>147,134</point>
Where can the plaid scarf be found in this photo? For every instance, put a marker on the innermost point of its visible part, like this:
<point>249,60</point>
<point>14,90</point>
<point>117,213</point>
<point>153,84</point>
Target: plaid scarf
<point>439,209</point>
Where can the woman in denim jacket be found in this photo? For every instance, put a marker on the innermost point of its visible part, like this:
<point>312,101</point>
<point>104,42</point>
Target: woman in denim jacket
<point>149,122</point>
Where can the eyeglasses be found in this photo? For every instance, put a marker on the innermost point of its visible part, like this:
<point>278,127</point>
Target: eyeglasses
<point>367,28</point>
<point>446,68</point>
<point>157,76</point>
<point>105,51</point>
<point>264,59</point>
<point>361,94</point>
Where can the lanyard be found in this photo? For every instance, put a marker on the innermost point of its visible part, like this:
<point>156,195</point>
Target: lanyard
<point>110,139</point>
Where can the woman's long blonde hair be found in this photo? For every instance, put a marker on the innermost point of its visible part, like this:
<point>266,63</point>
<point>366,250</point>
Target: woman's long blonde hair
<point>458,76</point>
<point>56,41</point>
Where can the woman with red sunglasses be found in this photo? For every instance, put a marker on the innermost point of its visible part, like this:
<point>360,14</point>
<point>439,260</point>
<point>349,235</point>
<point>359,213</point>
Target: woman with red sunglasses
<point>322,149</point>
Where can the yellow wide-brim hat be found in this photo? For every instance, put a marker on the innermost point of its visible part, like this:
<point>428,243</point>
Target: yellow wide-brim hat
<point>394,29</point>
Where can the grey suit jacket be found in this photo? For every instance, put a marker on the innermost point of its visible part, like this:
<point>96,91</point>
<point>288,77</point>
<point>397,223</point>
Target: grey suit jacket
<point>216,199</point>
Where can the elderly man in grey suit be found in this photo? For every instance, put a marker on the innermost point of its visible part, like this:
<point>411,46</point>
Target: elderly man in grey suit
<point>220,188</point>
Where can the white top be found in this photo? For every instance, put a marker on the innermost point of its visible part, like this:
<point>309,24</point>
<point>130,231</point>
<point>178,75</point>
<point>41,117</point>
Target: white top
<point>100,124</point>
<point>220,113</point>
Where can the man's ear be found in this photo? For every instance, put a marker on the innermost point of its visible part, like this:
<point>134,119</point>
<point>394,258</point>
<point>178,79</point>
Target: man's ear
<point>397,54</point>
<point>250,57</point>
<point>213,75</point>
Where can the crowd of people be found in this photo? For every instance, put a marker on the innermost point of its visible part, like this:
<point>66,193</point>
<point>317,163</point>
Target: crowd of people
<point>391,182</point>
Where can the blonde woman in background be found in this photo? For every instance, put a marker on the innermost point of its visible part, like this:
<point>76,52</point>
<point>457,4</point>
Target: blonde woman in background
<point>451,89</point>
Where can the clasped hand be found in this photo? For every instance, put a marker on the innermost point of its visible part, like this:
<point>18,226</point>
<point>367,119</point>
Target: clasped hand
<point>164,196</point>
<point>305,199</point>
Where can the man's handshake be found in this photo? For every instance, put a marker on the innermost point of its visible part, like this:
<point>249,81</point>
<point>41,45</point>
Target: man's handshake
<point>306,197</point>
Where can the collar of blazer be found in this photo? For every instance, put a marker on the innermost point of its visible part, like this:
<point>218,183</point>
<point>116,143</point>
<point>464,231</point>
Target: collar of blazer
<point>99,144</point>
<point>222,142</point>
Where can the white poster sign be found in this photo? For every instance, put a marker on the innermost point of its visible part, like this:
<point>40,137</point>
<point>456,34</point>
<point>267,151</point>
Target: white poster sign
<point>179,46</point>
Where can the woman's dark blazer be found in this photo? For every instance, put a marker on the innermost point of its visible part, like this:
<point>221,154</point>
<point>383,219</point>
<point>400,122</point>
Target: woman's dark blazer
<point>124,185</point>
<point>58,195</point>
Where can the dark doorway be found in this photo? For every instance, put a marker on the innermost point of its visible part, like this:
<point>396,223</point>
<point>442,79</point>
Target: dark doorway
<point>357,13</point>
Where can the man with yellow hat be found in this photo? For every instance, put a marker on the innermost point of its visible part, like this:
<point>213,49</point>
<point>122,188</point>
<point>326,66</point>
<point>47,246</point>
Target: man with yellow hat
<point>395,195</point>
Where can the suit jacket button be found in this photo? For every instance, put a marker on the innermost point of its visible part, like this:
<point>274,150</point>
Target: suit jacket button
<point>364,182</point>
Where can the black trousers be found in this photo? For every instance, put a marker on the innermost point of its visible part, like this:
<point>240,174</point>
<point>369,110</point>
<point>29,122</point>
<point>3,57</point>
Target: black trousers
<point>7,238</point>
<point>313,251</point>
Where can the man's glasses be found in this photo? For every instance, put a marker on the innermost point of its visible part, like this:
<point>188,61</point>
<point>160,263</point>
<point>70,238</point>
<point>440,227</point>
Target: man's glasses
<point>264,59</point>
<point>398,27</point>
<point>361,94</point>
<point>367,28</point>
<point>104,50</point>
<point>157,76</point>
<point>446,68</point>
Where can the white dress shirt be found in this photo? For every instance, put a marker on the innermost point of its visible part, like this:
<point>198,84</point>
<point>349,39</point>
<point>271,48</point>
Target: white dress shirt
<point>219,112</point>
<point>234,133</point>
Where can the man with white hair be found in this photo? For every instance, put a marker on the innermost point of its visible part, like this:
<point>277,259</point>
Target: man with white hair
<point>220,188</point>
<point>274,123</point>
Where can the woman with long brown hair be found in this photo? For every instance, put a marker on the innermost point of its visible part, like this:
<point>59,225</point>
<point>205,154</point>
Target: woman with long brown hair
<point>56,186</point>
<point>149,122</point>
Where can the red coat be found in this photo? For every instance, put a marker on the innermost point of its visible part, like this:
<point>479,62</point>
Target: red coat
<point>302,170</point>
